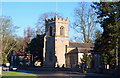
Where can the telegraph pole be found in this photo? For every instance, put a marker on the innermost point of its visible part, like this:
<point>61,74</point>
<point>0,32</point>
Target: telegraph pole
<point>117,52</point>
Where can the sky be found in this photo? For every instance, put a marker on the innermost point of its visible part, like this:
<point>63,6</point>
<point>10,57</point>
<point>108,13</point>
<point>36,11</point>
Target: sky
<point>26,14</point>
<point>49,0</point>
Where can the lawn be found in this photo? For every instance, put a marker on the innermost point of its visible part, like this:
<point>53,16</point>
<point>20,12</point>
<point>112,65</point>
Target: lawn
<point>13,74</point>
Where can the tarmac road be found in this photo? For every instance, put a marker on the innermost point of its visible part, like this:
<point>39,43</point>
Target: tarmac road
<point>64,74</point>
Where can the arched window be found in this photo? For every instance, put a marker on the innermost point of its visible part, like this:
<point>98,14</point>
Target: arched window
<point>62,31</point>
<point>50,31</point>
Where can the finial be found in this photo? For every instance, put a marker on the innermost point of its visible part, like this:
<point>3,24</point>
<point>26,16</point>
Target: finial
<point>56,17</point>
<point>56,8</point>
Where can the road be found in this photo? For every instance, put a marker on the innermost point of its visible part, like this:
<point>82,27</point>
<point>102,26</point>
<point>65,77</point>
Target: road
<point>61,74</point>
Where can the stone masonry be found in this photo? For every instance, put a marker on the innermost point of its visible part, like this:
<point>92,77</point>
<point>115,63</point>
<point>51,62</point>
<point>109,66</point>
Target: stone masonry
<point>56,41</point>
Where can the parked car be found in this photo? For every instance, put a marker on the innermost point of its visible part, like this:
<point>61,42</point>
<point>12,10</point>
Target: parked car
<point>13,68</point>
<point>4,68</point>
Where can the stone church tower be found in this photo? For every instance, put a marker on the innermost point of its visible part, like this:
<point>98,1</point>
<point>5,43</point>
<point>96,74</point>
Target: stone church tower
<point>55,41</point>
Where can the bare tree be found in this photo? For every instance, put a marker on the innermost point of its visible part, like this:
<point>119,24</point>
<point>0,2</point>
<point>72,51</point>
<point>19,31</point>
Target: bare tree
<point>29,34</point>
<point>8,40</point>
<point>85,22</point>
<point>41,21</point>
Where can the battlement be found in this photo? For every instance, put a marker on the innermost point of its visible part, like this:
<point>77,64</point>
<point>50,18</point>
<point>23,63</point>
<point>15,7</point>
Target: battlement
<point>56,19</point>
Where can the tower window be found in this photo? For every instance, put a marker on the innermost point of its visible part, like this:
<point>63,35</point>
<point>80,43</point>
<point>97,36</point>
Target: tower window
<point>50,31</point>
<point>62,30</point>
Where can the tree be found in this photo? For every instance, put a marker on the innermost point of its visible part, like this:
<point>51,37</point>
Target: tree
<point>41,21</point>
<point>8,41</point>
<point>109,18</point>
<point>29,34</point>
<point>35,47</point>
<point>85,22</point>
<point>86,59</point>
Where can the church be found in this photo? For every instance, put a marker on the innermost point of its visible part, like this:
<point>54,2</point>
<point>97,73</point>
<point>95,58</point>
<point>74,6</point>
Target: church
<point>57,48</point>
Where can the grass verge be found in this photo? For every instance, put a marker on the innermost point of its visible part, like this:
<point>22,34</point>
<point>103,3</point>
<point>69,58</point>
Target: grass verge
<point>13,74</point>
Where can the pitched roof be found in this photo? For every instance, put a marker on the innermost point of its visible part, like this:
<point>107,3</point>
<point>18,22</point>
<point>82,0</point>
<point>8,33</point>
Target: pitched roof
<point>81,45</point>
<point>80,50</point>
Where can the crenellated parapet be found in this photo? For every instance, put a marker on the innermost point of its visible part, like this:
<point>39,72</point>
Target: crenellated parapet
<point>56,19</point>
<point>56,41</point>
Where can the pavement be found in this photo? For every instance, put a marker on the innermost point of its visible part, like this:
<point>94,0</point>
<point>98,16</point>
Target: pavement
<point>66,74</point>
